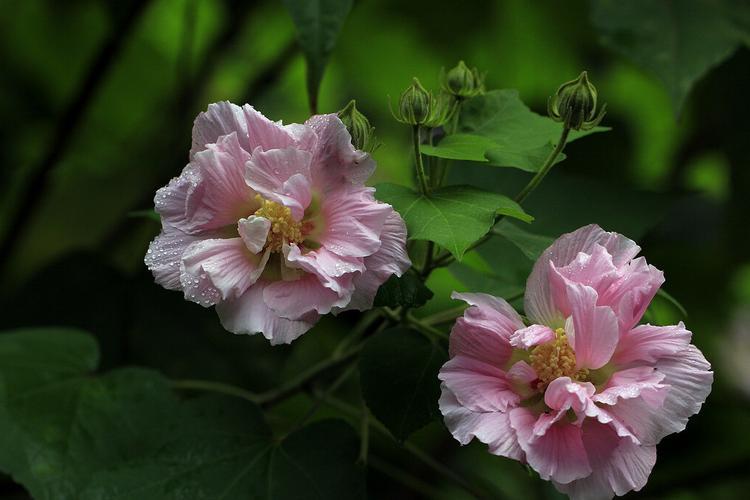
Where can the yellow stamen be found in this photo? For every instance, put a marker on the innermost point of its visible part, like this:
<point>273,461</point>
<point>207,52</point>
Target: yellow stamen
<point>284,229</point>
<point>556,359</point>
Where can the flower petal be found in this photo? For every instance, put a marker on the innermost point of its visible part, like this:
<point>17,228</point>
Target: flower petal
<point>295,299</point>
<point>619,465</point>
<point>221,118</point>
<point>164,255</point>
<point>491,428</point>
<point>219,269</point>
<point>330,268</point>
<point>631,294</point>
<point>533,335</point>
<point>248,314</point>
<point>538,298</point>
<point>483,332</point>
<point>638,382</point>
<point>558,454</point>
<point>254,231</point>
<point>648,343</point>
<point>282,176</point>
<point>477,385</point>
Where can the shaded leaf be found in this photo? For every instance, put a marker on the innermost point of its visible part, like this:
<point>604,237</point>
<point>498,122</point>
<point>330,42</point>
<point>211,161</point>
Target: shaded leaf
<point>678,42</point>
<point>398,374</point>
<point>497,128</point>
<point>318,24</point>
<point>408,291</point>
<point>532,245</point>
<point>453,216</point>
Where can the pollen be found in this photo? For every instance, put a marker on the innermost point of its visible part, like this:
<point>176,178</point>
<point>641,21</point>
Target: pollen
<point>284,229</point>
<point>556,359</point>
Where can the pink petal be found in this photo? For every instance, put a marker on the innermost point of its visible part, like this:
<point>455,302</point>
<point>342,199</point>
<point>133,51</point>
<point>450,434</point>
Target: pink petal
<point>477,385</point>
<point>648,343</point>
<point>170,201</point>
<point>641,381</point>
<point>335,161</point>
<point>249,314</point>
<point>689,377</point>
<point>592,330</point>
<point>483,331</point>
<point>538,299</point>
<point>558,454</point>
<point>619,465</point>
<point>522,373</point>
<point>354,221</point>
<point>282,176</point>
<point>631,294</point>
<point>491,428</point>
<point>219,269</point>
<point>254,231</point>
<point>164,255</point>
<point>220,197</point>
<point>391,258</point>
<point>331,269</point>
<point>533,335</point>
<point>221,118</point>
<point>295,299</point>
<point>594,269</point>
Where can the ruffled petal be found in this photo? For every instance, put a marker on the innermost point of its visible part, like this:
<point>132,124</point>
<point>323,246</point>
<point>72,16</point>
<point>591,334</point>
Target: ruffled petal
<point>648,343</point>
<point>483,332</point>
<point>221,118</point>
<point>295,299</point>
<point>282,176</point>
<point>619,465</point>
<point>478,386</point>
<point>254,231</point>
<point>249,314</point>
<point>164,255</point>
<point>538,302</point>
<point>559,454</point>
<point>219,269</point>
<point>330,268</point>
<point>336,162</point>
<point>640,382</point>
<point>689,377</point>
<point>633,291</point>
<point>491,428</point>
<point>533,335</point>
<point>354,222</point>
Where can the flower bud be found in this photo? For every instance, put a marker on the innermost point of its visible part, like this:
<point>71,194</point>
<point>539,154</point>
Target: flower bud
<point>442,108</point>
<point>363,134</point>
<point>463,82</point>
<point>574,104</point>
<point>414,104</point>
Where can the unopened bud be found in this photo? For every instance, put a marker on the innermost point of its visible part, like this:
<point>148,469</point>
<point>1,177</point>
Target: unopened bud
<point>463,82</point>
<point>363,134</point>
<point>442,108</point>
<point>414,104</point>
<point>574,104</point>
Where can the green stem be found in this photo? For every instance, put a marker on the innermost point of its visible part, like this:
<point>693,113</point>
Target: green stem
<point>421,175</point>
<point>423,327</point>
<point>445,316</point>
<point>218,387</point>
<point>414,450</point>
<point>546,167</point>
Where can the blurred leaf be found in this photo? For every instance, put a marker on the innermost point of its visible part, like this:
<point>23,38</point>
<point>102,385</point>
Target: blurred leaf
<point>499,129</point>
<point>408,291</point>
<point>669,298</point>
<point>398,374</point>
<point>65,434</point>
<point>145,214</point>
<point>318,24</point>
<point>485,282</point>
<point>532,245</point>
<point>453,216</point>
<point>679,42</point>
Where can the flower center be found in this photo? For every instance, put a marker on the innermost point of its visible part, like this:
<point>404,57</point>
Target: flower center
<point>284,229</point>
<point>556,359</point>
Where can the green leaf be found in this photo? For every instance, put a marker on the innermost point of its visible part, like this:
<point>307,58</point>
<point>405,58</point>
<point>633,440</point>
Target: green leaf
<point>678,42</point>
<point>66,434</point>
<point>485,282</point>
<point>407,291</point>
<point>398,373</point>
<point>497,128</point>
<point>674,302</point>
<point>453,216</point>
<point>318,24</point>
<point>532,245</point>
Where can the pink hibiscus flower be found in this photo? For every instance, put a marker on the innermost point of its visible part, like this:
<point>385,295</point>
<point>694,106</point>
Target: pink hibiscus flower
<point>582,394</point>
<point>273,225</point>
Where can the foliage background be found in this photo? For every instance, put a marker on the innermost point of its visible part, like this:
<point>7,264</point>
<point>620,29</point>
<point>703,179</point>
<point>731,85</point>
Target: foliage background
<point>97,99</point>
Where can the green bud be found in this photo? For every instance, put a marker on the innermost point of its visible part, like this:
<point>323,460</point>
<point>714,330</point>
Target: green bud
<point>463,82</point>
<point>574,104</point>
<point>442,108</point>
<point>363,134</point>
<point>414,104</point>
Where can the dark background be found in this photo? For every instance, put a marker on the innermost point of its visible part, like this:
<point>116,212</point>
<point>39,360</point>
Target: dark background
<point>96,104</point>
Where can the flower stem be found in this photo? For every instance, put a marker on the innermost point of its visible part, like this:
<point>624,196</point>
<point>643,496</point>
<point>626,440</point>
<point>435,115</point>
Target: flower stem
<point>421,175</point>
<point>218,387</point>
<point>546,167</point>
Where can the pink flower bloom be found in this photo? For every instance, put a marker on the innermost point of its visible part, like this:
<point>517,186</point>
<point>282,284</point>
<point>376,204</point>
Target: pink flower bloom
<point>273,225</point>
<point>583,394</point>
